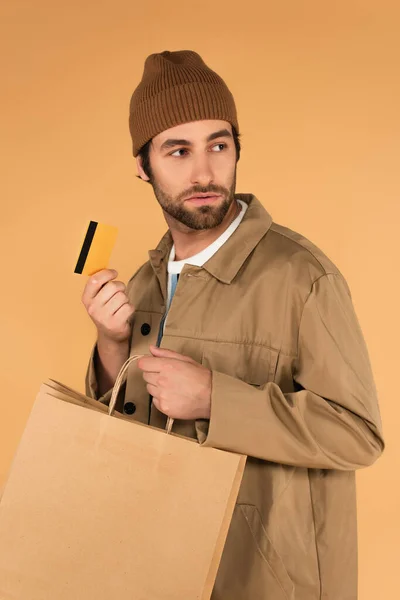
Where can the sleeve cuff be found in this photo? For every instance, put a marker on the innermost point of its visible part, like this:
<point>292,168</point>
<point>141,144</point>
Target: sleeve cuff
<point>226,426</point>
<point>91,383</point>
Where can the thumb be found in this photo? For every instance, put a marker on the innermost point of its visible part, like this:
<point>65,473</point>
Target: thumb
<point>165,353</point>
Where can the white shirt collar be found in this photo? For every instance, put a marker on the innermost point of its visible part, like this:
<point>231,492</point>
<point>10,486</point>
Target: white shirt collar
<point>199,259</point>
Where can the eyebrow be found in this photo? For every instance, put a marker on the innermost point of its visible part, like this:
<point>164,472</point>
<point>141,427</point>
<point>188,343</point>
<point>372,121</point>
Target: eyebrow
<point>170,143</point>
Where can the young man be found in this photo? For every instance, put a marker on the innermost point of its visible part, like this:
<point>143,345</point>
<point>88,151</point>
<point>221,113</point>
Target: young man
<point>255,349</point>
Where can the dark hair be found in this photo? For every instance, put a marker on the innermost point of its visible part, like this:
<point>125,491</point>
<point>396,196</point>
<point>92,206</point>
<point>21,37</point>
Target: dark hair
<point>144,153</point>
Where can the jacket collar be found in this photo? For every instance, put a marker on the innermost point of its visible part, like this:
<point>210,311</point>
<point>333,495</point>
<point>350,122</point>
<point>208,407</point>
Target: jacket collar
<point>225,263</point>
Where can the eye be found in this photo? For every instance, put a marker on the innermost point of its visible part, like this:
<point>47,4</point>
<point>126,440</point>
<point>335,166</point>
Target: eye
<point>179,150</point>
<point>220,144</point>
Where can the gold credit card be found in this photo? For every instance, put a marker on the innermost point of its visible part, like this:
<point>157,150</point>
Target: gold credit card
<point>96,248</point>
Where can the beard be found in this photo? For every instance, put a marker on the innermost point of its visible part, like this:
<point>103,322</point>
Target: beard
<point>198,217</point>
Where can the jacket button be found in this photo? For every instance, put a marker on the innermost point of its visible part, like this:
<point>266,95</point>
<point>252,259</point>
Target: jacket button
<point>145,329</point>
<point>129,408</point>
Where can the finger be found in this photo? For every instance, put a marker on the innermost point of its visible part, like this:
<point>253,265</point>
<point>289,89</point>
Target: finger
<point>165,410</point>
<point>165,353</point>
<point>108,291</point>
<point>149,364</point>
<point>124,313</point>
<point>153,390</point>
<point>96,282</point>
<point>151,378</point>
<point>103,313</point>
<point>115,303</point>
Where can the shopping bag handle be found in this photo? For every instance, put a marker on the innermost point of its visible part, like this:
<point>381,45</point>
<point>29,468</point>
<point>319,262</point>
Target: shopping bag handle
<point>118,382</point>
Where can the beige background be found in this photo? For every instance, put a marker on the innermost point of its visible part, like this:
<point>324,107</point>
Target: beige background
<point>318,95</point>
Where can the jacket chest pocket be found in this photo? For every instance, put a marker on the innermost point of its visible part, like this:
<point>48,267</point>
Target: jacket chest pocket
<point>251,363</point>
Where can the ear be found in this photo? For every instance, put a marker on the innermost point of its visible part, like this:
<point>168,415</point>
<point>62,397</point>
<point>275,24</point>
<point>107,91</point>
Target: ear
<point>142,174</point>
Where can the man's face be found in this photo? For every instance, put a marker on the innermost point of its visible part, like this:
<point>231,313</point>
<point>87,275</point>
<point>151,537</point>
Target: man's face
<point>194,158</point>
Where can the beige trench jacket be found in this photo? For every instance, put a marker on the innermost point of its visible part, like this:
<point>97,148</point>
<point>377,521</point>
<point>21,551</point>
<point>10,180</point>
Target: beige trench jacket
<point>292,388</point>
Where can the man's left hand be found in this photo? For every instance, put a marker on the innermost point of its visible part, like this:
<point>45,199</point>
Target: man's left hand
<point>181,387</point>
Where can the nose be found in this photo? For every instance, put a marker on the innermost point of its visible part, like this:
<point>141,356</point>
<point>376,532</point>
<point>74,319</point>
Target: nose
<point>202,173</point>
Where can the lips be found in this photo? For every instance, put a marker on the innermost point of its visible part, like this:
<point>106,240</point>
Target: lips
<point>204,197</point>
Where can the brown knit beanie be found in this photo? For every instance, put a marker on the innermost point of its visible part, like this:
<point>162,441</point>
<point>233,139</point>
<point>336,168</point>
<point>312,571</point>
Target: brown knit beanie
<point>177,87</point>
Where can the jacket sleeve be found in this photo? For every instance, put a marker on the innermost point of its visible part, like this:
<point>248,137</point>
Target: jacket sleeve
<point>91,385</point>
<point>332,421</point>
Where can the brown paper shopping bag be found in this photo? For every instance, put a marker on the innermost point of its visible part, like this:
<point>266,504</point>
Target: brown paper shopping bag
<point>98,507</point>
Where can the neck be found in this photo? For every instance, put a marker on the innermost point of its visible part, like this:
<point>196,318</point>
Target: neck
<point>190,242</point>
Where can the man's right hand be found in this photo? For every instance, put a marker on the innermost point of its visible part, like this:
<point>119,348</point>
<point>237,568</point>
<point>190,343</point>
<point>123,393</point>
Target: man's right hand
<point>108,306</point>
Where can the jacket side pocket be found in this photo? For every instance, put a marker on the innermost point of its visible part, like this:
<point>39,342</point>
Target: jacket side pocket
<point>264,546</point>
<point>250,568</point>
